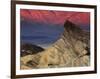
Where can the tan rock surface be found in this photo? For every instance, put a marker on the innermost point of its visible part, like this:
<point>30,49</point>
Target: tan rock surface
<point>71,50</point>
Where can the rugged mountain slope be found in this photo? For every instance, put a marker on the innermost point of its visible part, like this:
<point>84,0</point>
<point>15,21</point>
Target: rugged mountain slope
<point>71,50</point>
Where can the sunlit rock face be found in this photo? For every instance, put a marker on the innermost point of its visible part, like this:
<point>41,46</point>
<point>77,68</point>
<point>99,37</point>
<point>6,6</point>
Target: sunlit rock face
<point>71,50</point>
<point>74,45</point>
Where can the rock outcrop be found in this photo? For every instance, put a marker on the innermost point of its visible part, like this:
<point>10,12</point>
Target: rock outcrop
<point>71,50</point>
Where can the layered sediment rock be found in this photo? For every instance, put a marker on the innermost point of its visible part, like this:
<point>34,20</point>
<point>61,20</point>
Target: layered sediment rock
<point>71,50</point>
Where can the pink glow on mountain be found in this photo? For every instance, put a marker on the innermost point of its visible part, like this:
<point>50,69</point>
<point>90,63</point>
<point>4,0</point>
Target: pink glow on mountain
<point>55,17</point>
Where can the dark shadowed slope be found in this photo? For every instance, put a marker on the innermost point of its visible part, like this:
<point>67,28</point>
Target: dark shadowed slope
<point>28,49</point>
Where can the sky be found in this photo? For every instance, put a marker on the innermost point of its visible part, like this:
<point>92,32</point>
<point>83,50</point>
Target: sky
<point>44,27</point>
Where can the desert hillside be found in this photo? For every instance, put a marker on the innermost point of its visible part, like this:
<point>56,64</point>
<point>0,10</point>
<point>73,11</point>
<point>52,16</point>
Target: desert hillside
<point>71,50</point>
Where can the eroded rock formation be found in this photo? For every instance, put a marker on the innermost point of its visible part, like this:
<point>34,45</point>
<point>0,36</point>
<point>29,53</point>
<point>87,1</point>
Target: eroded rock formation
<point>71,50</point>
